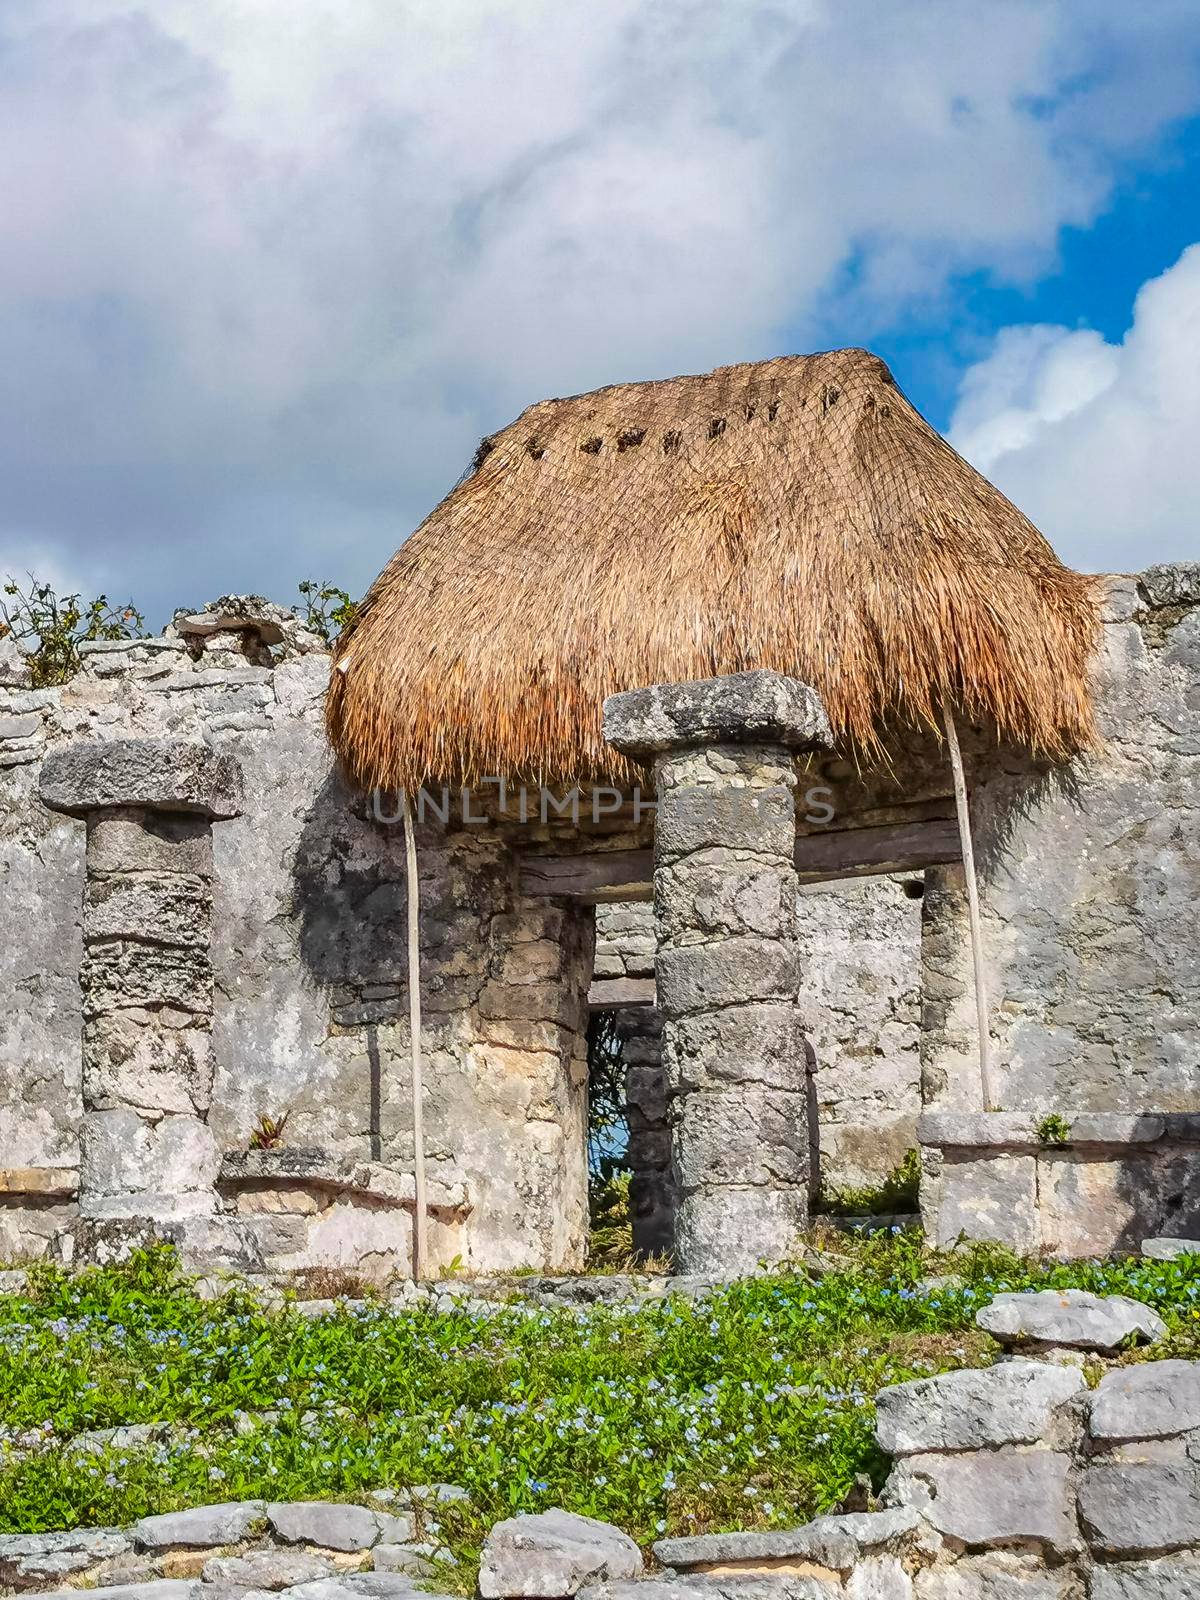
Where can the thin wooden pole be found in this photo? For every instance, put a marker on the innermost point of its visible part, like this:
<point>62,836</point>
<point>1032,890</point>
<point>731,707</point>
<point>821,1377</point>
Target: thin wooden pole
<point>968,855</point>
<point>420,1253</point>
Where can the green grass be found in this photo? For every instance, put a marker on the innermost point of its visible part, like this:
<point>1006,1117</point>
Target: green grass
<point>750,1409</point>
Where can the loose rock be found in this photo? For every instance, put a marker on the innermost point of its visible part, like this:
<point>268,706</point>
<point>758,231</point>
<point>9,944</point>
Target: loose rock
<point>201,1527</point>
<point>552,1554</point>
<point>327,1523</point>
<point>1169,1249</point>
<point>1069,1317</point>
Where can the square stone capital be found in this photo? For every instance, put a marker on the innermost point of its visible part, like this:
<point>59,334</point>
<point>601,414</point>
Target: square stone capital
<point>157,774</point>
<point>758,707</point>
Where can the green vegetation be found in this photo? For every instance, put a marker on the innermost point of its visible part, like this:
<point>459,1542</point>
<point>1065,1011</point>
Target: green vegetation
<point>325,609</point>
<point>895,1196</point>
<point>1054,1130</point>
<point>750,1408</point>
<point>49,628</point>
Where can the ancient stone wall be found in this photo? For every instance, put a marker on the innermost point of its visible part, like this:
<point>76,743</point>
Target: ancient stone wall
<point>1089,879</point>
<point>309,1007</point>
<point>859,996</point>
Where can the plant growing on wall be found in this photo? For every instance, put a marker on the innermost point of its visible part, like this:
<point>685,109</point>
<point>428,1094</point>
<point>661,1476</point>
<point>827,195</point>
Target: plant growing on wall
<point>268,1132</point>
<point>325,609</point>
<point>1054,1130</point>
<point>49,628</point>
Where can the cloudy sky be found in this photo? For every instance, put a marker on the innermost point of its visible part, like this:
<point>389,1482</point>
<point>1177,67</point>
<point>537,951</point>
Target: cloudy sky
<point>270,270</point>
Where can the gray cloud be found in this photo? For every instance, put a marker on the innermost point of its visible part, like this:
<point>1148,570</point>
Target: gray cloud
<point>270,271</point>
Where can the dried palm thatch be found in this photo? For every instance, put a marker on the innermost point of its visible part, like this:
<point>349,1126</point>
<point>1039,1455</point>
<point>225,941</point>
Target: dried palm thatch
<point>798,514</point>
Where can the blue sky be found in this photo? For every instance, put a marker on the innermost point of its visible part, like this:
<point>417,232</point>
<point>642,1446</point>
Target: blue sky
<point>1152,216</point>
<point>270,272</point>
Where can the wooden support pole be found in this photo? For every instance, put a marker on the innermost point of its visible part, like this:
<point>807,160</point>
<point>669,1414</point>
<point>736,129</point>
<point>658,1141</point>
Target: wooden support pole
<point>968,860</point>
<point>420,1253</point>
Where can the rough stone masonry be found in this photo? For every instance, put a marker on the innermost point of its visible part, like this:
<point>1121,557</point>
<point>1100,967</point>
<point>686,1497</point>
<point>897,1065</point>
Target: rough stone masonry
<point>725,917</point>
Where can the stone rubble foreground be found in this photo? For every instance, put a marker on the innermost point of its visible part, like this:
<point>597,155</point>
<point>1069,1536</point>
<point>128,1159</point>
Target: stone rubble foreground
<point>1010,1482</point>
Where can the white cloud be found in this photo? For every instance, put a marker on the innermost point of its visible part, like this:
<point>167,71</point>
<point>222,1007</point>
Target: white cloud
<point>1098,442</point>
<point>270,270</point>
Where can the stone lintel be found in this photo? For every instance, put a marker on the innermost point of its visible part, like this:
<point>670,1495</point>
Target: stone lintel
<point>758,707</point>
<point>174,775</point>
<point>1017,1130</point>
<point>309,1167</point>
<point>46,1183</point>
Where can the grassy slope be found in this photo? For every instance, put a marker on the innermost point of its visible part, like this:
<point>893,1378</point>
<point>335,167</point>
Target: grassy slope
<point>751,1409</point>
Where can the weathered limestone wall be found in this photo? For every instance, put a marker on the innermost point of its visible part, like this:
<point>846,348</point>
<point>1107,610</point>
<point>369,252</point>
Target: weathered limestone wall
<point>860,1005</point>
<point>1090,881</point>
<point>309,1008</point>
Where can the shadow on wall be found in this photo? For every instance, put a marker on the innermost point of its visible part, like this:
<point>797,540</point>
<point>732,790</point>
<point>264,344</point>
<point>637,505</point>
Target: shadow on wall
<point>348,896</point>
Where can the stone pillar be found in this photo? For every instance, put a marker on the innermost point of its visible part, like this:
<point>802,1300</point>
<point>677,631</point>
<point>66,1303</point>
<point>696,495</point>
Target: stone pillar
<point>725,921</point>
<point>146,1149</point>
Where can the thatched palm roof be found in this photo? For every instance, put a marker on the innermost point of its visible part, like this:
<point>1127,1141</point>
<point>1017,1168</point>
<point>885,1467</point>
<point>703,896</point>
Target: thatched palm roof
<point>797,514</point>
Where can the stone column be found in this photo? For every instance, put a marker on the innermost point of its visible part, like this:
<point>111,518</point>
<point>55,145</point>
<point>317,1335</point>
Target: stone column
<point>726,967</point>
<point>145,1147</point>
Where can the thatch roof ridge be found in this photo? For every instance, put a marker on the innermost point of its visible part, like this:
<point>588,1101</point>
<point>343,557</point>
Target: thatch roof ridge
<point>796,513</point>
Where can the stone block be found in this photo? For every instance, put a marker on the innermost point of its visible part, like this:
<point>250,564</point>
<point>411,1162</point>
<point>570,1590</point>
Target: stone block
<point>150,908</point>
<point>1174,583</point>
<point>529,1003</point>
<point>122,1154</point>
<point>24,727</point>
<point>160,774</point>
<point>744,1135</point>
<point>134,1059</point>
<point>1069,1317</point>
<point>1089,1205</point>
<point>137,840</point>
<point>1169,1249</point>
<point>15,672</point>
<point>119,974</point>
<point>151,1589</point>
<point>264,1569</point>
<point>553,1554</point>
<point>1141,1507</point>
<point>726,1231</point>
<point>200,1527</point>
<point>697,902</point>
<point>734,972</point>
<point>1171,1578</point>
<point>328,1524</point>
<point>41,1183</point>
<point>712,825</point>
<point>837,1542</point>
<point>33,1560</point>
<point>531,961</point>
<point>759,1044</point>
<point>1001,1575</point>
<point>996,1497</point>
<point>879,1578</point>
<point>1150,1401</point>
<point>1013,1402</point>
<point>758,707</point>
<point>992,1197</point>
<point>978,1130</point>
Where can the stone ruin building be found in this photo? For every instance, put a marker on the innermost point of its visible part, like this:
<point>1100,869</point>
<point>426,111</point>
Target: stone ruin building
<point>666,677</point>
